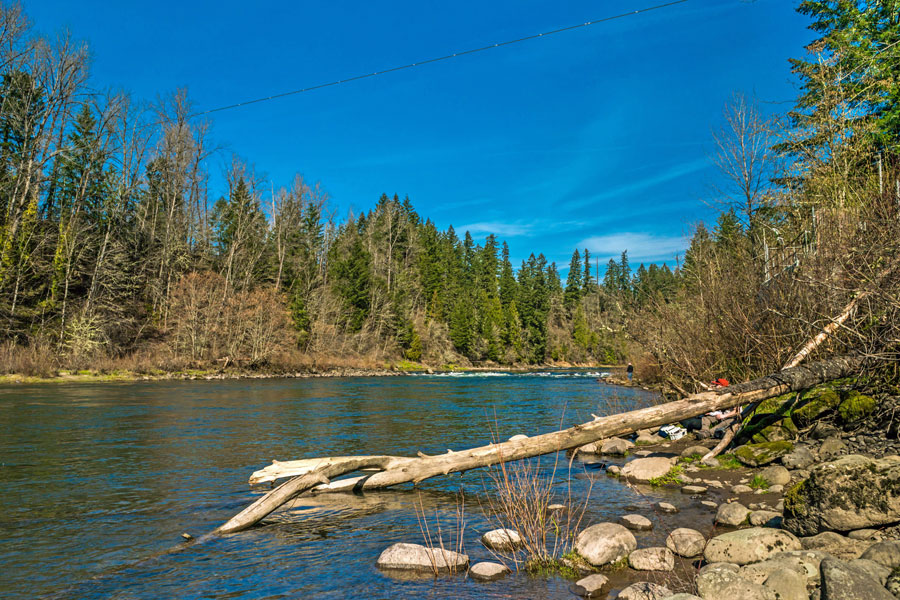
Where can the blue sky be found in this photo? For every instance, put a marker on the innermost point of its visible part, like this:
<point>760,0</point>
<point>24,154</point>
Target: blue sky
<point>598,137</point>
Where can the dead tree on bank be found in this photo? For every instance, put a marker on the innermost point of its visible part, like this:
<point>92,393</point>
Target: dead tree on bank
<point>316,474</point>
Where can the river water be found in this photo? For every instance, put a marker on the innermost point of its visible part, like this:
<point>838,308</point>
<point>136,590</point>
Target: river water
<point>99,480</point>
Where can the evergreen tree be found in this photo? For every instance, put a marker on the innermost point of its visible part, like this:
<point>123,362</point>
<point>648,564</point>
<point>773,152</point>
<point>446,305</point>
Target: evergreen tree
<point>574,284</point>
<point>352,281</point>
<point>612,277</point>
<point>624,273</point>
<point>588,281</point>
<point>507,286</point>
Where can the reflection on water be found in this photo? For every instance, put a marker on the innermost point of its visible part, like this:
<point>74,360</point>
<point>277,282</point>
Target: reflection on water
<point>99,479</point>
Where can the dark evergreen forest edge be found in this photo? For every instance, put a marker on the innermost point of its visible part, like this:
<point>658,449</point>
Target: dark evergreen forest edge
<point>115,258</point>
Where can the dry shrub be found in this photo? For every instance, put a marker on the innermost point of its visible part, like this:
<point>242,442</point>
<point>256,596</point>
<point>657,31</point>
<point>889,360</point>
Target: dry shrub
<point>36,358</point>
<point>443,535</point>
<point>207,321</point>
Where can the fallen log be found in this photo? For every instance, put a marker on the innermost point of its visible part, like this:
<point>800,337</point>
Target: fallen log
<point>393,470</point>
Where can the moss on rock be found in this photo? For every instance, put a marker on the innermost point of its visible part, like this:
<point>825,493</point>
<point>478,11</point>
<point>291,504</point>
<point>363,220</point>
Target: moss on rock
<point>757,455</point>
<point>855,406</point>
<point>813,404</point>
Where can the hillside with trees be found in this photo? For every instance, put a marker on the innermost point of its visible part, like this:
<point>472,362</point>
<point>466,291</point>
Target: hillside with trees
<point>115,253</point>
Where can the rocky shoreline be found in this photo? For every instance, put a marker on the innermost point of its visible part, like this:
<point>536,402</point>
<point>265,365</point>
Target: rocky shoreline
<point>790,514</point>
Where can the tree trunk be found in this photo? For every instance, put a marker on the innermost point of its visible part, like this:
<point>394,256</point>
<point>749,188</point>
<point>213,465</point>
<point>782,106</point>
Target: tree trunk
<point>395,470</point>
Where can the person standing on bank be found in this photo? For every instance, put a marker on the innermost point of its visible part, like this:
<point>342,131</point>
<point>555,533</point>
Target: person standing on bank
<point>629,370</point>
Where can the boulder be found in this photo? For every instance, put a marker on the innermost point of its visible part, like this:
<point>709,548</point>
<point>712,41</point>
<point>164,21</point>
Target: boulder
<point>799,458</point>
<point>832,448</point>
<point>636,522</point>
<point>854,407</point>
<point>749,545</point>
<point>590,586</point>
<point>843,581</point>
<point>741,489</point>
<point>787,585</point>
<point>693,489</point>
<point>765,518</point>
<point>414,557</point>
<point>805,560</point>
<point>666,507</point>
<point>836,545</point>
<point>758,455</point>
<point>732,514</point>
<point>645,469</point>
<point>589,448</point>
<point>814,404</point>
<point>884,553</point>
<point>761,571</point>
<point>878,571</point>
<point>648,439</point>
<point>616,446</point>
<point>686,542</point>
<point>488,571</point>
<point>605,543</point>
<point>722,584</point>
<point>652,559</point>
<point>866,534</point>
<point>694,451</point>
<point>644,591</point>
<point>852,492</point>
<point>776,475</point>
<point>503,540</point>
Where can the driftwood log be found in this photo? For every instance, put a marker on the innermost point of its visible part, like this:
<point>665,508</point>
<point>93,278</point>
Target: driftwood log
<point>316,474</point>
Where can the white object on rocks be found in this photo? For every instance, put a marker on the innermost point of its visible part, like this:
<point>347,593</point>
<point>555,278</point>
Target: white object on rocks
<point>605,543</point>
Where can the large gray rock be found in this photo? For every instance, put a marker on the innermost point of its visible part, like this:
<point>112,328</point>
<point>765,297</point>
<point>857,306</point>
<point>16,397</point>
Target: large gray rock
<point>415,557</point>
<point>885,553</point>
<point>732,514</point>
<point>686,542</point>
<point>694,451</point>
<point>836,545</point>
<point>843,581</point>
<point>502,540</point>
<point>616,446</point>
<point>648,439</point>
<point>652,559</point>
<point>605,543</point>
<point>723,584</point>
<point>831,448</point>
<point>749,545</point>
<point>644,591</point>
<point>799,458</point>
<point>776,475</point>
<point>591,586</point>
<point>852,492</point>
<point>765,518</point>
<point>488,571</point>
<point>761,571</point>
<point>636,522</point>
<point>645,469</point>
<point>787,585</point>
<point>877,571</point>
<point>763,453</point>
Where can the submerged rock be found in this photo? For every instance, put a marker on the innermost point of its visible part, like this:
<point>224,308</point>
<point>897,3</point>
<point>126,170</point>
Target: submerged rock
<point>590,586</point>
<point>415,557</point>
<point>605,543</point>
<point>853,492</point>
<point>488,571</point>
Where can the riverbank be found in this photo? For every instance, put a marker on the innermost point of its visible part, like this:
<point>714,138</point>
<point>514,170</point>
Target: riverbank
<point>390,369</point>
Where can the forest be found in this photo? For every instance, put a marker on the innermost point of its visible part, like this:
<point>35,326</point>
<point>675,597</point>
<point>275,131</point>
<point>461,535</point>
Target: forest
<point>116,255</point>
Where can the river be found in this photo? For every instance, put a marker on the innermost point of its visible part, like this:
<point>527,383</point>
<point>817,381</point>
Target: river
<point>99,479</point>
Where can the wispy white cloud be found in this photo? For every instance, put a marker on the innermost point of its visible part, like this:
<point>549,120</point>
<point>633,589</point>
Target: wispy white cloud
<point>640,246</point>
<point>499,229</point>
<point>628,190</point>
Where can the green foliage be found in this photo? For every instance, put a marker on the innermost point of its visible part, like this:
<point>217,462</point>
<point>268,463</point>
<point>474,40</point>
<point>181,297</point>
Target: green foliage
<point>758,482</point>
<point>673,477</point>
<point>855,406</point>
